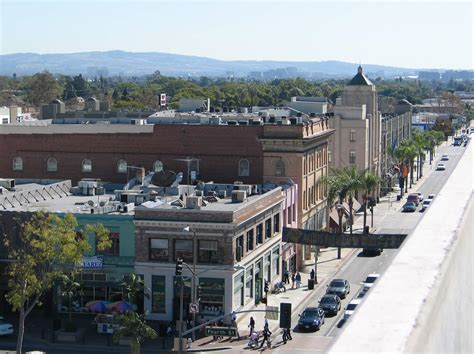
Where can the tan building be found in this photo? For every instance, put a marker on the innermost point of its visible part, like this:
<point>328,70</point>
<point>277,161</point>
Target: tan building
<point>356,140</point>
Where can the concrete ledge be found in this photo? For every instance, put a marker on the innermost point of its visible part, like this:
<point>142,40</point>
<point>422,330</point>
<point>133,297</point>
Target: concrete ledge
<point>394,316</point>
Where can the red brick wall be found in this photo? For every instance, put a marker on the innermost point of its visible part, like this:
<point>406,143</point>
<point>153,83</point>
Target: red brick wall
<point>219,149</point>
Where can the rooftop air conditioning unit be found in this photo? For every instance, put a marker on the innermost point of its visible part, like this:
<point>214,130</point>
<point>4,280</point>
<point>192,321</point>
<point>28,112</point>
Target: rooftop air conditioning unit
<point>194,202</point>
<point>238,196</point>
<point>222,193</point>
<point>7,183</point>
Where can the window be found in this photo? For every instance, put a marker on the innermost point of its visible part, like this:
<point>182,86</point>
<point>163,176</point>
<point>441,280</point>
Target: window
<point>352,135</point>
<point>248,283</point>
<point>276,223</point>
<point>158,294</point>
<point>244,168</point>
<point>352,157</point>
<point>249,240</point>
<point>259,234</point>
<point>275,261</point>
<point>114,249</point>
<point>194,169</point>
<point>289,214</point>
<point>18,164</point>
<point>329,156</point>
<point>157,166</point>
<point>268,228</point>
<point>183,249</point>
<point>159,250</point>
<point>122,166</point>
<point>86,165</point>
<point>239,248</point>
<point>280,168</point>
<point>208,252</point>
<point>52,165</point>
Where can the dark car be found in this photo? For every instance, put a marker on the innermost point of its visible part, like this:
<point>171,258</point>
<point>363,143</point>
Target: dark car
<point>331,304</point>
<point>409,207</point>
<point>311,318</point>
<point>414,197</point>
<point>372,251</point>
<point>339,287</point>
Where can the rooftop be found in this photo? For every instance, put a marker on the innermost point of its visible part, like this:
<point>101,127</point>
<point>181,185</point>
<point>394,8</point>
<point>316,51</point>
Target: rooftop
<point>360,79</point>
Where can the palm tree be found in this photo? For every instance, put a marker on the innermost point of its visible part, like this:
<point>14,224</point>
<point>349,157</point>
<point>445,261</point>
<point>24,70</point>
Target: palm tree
<point>134,326</point>
<point>133,287</point>
<point>369,183</point>
<point>69,288</point>
<point>353,184</point>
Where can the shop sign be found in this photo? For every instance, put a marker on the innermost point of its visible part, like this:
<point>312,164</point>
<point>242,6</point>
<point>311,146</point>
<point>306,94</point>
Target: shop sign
<point>92,262</point>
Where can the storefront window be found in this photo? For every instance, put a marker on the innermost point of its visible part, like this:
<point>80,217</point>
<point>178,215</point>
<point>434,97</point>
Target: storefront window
<point>159,250</point>
<point>266,266</point>
<point>158,294</point>
<point>183,249</point>
<point>275,261</point>
<point>248,283</point>
<point>212,296</point>
<point>208,251</point>
<point>239,290</point>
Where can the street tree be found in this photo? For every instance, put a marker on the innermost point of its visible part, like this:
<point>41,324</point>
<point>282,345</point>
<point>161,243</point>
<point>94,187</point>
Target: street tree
<point>134,287</point>
<point>44,248</point>
<point>369,183</point>
<point>69,288</point>
<point>134,326</point>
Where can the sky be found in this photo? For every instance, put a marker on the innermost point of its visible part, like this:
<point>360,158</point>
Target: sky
<point>411,34</point>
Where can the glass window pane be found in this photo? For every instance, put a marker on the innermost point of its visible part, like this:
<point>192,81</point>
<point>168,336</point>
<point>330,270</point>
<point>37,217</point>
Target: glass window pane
<point>158,294</point>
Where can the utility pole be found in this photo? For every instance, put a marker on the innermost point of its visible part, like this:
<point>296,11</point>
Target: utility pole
<point>180,344</point>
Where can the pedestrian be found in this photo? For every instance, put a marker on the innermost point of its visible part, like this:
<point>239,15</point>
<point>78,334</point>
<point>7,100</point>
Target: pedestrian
<point>251,326</point>
<point>311,275</point>
<point>169,331</point>
<point>233,323</point>
<point>293,280</point>
<point>266,336</point>
<point>298,280</point>
<point>286,276</point>
<point>265,324</point>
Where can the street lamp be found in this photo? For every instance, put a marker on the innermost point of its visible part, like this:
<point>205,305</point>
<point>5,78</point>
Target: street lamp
<point>340,210</point>
<point>193,289</point>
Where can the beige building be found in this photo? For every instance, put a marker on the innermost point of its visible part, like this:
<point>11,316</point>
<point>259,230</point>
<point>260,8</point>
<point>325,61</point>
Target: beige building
<point>356,121</point>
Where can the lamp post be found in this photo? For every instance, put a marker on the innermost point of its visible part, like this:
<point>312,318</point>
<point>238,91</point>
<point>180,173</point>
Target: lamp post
<point>193,286</point>
<point>340,210</point>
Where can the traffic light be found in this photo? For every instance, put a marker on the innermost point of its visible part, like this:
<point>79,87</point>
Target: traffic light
<point>199,293</point>
<point>179,267</point>
<point>266,286</point>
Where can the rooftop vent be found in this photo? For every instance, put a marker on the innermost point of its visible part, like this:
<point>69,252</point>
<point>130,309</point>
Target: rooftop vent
<point>238,196</point>
<point>193,202</point>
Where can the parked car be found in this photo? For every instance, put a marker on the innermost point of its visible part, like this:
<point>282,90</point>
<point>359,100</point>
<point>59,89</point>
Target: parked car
<point>444,158</point>
<point>351,306</point>
<point>331,304</point>
<point>311,318</point>
<point>425,205</point>
<point>409,207</point>
<point>372,251</point>
<point>5,328</point>
<point>420,196</point>
<point>339,287</point>
<point>369,281</point>
<point>440,167</point>
<point>413,197</point>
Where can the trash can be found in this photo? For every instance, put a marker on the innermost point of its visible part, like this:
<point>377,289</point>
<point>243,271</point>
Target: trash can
<point>310,284</point>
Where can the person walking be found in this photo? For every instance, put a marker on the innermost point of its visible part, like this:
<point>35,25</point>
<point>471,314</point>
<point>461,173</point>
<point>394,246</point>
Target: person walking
<point>233,323</point>
<point>298,280</point>
<point>311,275</point>
<point>286,276</point>
<point>251,326</point>
<point>293,280</point>
<point>266,336</point>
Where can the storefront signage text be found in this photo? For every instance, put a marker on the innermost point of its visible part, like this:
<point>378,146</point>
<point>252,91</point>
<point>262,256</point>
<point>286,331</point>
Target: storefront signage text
<point>92,262</point>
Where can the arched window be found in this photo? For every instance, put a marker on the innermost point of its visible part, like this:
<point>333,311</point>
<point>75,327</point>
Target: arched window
<point>18,164</point>
<point>157,166</point>
<point>52,165</point>
<point>86,165</point>
<point>122,166</point>
<point>244,168</point>
<point>280,168</point>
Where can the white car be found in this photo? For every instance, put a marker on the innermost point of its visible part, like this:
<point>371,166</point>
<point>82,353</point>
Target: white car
<point>5,328</point>
<point>351,306</point>
<point>440,167</point>
<point>425,204</point>
<point>444,158</point>
<point>369,281</point>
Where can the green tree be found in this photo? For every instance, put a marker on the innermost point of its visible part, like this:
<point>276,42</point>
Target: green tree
<point>44,249</point>
<point>369,182</point>
<point>133,287</point>
<point>134,326</point>
<point>44,88</point>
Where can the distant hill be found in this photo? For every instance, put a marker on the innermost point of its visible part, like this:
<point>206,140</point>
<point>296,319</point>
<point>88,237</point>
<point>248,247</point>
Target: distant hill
<point>129,63</point>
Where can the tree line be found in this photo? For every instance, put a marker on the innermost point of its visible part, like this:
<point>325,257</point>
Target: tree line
<point>143,92</point>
